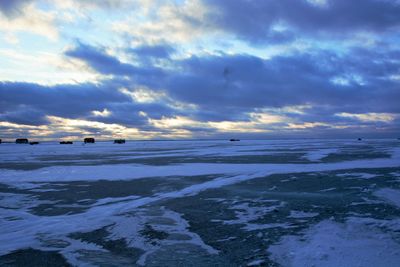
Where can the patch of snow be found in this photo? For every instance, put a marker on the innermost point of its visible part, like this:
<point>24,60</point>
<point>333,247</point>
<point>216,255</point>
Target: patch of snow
<point>129,172</point>
<point>20,229</point>
<point>328,189</point>
<point>20,201</point>
<point>245,213</point>
<point>110,200</point>
<point>332,244</point>
<point>317,155</point>
<point>256,263</point>
<point>255,227</point>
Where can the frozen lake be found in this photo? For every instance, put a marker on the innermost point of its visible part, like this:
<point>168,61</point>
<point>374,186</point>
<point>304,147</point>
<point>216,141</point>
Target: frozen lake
<point>201,203</point>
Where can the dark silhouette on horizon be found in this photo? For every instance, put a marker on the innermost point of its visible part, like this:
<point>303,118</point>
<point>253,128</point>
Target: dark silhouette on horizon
<point>89,140</point>
<point>66,143</point>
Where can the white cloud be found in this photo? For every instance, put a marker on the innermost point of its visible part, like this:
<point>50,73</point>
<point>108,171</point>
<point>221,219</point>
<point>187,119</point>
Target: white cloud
<point>107,4</point>
<point>258,123</point>
<point>369,117</point>
<point>319,3</point>
<point>146,95</point>
<point>175,122</point>
<point>239,127</point>
<point>306,125</point>
<point>161,21</point>
<point>143,95</point>
<point>11,38</point>
<point>44,68</point>
<point>31,20</point>
<point>37,131</point>
<point>106,130</point>
<point>265,118</point>
<point>297,109</point>
<point>104,113</point>
<point>348,79</point>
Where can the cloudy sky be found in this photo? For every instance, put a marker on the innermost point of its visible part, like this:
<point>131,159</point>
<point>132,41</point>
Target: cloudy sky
<point>155,69</point>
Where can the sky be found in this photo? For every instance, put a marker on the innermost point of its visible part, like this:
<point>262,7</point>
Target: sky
<point>199,69</point>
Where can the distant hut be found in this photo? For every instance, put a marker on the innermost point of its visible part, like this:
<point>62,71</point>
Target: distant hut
<point>89,140</point>
<point>66,143</point>
<point>21,141</point>
<point>34,143</point>
<point>119,141</point>
<point>234,140</point>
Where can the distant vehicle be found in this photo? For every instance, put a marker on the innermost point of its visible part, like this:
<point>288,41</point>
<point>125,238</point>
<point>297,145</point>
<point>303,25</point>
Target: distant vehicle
<point>119,141</point>
<point>66,143</point>
<point>89,140</point>
<point>34,143</point>
<point>359,139</point>
<point>234,140</point>
<point>21,141</point>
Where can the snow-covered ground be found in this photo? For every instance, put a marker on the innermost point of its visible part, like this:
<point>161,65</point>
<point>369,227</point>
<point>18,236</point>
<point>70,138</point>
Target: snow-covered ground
<point>201,203</point>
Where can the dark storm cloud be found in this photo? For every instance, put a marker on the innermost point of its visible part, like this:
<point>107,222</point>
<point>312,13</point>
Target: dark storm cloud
<point>153,51</point>
<point>28,103</point>
<point>254,20</point>
<point>227,83</point>
<point>221,113</point>
<point>226,87</point>
<point>59,100</point>
<point>100,61</point>
<point>247,81</point>
<point>23,114</point>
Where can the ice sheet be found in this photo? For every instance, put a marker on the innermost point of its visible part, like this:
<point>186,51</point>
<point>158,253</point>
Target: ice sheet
<point>333,244</point>
<point>390,195</point>
<point>128,172</point>
<point>126,216</point>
